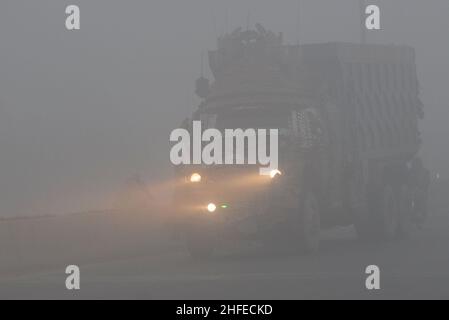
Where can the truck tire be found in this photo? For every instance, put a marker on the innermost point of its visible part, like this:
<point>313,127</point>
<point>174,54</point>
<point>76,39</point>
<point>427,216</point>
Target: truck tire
<point>389,213</point>
<point>419,205</point>
<point>382,221</point>
<point>406,212</point>
<point>309,224</point>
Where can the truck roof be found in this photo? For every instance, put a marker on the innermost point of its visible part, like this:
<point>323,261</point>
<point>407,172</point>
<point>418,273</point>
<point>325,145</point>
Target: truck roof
<point>358,53</point>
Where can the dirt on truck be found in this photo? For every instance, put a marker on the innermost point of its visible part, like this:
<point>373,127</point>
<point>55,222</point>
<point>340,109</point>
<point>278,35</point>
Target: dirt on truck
<point>347,116</point>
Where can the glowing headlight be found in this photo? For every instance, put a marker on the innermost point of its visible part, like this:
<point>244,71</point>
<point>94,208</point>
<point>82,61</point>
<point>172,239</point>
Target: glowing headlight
<point>275,173</point>
<point>195,178</point>
<point>211,207</point>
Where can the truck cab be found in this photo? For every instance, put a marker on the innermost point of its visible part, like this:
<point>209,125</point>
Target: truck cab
<point>222,201</point>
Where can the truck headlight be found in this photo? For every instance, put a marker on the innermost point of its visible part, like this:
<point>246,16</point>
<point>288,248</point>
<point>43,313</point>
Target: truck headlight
<point>195,178</point>
<point>211,207</point>
<point>275,173</point>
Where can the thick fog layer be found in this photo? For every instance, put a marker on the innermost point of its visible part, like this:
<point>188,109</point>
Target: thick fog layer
<point>80,112</point>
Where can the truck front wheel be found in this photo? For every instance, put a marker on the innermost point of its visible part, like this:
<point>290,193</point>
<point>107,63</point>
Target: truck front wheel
<point>384,213</point>
<point>389,214</point>
<point>309,224</point>
<point>406,212</point>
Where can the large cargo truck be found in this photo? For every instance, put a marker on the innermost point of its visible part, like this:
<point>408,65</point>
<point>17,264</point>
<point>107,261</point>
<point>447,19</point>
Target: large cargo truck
<point>348,121</point>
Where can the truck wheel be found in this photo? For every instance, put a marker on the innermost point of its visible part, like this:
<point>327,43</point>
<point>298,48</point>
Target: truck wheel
<point>406,212</point>
<point>388,214</point>
<point>309,224</point>
<point>381,219</point>
<point>419,206</point>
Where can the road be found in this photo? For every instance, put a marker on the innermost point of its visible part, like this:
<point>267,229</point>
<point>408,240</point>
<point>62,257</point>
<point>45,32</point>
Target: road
<point>413,269</point>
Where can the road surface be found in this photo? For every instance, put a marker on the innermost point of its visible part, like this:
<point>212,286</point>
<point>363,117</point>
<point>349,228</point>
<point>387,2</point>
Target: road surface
<point>412,269</point>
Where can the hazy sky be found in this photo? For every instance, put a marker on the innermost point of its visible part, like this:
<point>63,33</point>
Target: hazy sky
<point>82,111</point>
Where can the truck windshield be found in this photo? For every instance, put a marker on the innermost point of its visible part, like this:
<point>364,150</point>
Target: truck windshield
<point>252,119</point>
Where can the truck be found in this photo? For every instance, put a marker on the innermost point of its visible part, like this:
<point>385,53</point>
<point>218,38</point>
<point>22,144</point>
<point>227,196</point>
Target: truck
<point>347,115</point>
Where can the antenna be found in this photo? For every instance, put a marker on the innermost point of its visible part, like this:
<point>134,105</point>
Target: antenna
<point>226,21</point>
<point>298,24</point>
<point>202,64</point>
<point>362,6</point>
<point>214,23</point>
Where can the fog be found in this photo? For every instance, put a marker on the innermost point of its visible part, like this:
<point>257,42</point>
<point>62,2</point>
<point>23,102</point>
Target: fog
<point>80,112</point>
